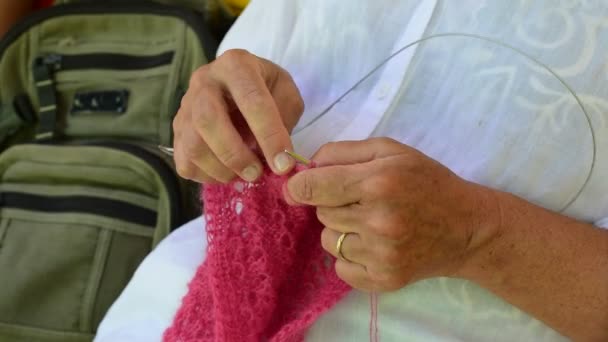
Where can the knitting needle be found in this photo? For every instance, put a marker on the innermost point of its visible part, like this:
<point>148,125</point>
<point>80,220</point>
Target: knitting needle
<point>297,157</point>
<point>166,150</point>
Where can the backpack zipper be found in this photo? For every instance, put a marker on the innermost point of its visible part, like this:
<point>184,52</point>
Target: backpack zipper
<point>192,18</point>
<point>177,213</point>
<point>167,175</point>
<point>121,210</point>
<point>113,61</point>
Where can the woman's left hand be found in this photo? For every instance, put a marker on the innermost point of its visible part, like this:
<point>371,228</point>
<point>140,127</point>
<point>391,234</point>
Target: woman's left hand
<point>407,216</point>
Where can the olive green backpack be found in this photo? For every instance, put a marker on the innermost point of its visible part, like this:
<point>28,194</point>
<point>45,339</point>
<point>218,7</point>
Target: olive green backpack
<point>87,93</point>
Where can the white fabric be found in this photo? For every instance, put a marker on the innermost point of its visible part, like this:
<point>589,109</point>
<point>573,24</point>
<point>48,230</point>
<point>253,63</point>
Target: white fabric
<point>484,110</point>
<point>380,96</point>
<point>602,223</point>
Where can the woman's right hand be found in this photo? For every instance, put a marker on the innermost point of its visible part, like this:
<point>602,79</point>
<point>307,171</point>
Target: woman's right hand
<point>236,107</point>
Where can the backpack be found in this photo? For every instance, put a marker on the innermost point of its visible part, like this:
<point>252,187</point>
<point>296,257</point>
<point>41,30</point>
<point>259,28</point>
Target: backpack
<point>88,91</point>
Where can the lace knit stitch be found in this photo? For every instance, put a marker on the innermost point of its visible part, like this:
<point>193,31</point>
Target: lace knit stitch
<point>265,277</point>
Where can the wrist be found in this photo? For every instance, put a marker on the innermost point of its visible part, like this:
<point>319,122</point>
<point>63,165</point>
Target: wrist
<point>487,232</point>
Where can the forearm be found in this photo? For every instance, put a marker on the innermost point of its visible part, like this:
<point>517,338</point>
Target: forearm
<point>11,11</point>
<point>550,266</point>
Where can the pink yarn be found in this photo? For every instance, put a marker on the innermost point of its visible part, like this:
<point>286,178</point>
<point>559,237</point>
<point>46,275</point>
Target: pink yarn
<point>265,277</point>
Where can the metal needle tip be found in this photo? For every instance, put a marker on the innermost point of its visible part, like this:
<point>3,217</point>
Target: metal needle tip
<point>166,150</point>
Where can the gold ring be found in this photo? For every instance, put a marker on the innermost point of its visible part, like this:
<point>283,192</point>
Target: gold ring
<point>339,246</point>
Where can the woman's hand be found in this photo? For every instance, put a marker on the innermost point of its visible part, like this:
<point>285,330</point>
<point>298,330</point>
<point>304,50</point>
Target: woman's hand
<point>408,217</point>
<point>237,106</point>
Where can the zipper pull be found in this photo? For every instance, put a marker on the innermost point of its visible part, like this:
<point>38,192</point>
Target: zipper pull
<point>54,61</point>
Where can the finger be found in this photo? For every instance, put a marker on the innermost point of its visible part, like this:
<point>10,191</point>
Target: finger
<point>212,122</point>
<point>288,99</point>
<point>331,186</point>
<point>247,83</point>
<point>187,170</point>
<point>352,152</point>
<point>191,148</point>
<point>348,218</point>
<point>197,175</point>
<point>354,275</point>
<point>213,167</point>
<point>188,145</point>
<point>352,247</point>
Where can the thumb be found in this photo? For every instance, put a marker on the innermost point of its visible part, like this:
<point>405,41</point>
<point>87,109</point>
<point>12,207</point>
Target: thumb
<point>356,152</point>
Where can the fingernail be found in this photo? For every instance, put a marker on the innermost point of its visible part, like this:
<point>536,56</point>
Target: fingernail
<point>251,173</point>
<point>282,161</point>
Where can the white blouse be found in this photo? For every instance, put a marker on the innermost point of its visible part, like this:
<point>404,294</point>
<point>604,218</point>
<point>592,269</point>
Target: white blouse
<point>509,94</point>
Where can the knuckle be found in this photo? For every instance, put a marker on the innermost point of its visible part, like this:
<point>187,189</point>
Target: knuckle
<point>204,118</point>
<point>327,147</point>
<point>183,102</point>
<point>234,60</point>
<point>192,151</point>
<point>342,188</point>
<point>268,135</point>
<point>226,178</point>
<point>177,122</point>
<point>185,171</point>
<point>203,179</point>
<point>305,190</point>
<point>308,186</point>
<point>198,76</point>
<point>384,141</point>
<point>234,55</point>
<point>388,145</point>
<point>292,115</point>
<point>230,158</point>
<point>253,97</point>
<point>219,172</point>
<point>298,104</point>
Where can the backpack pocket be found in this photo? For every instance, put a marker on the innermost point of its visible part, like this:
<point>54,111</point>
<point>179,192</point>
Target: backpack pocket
<point>112,94</point>
<point>75,223</point>
<point>102,71</point>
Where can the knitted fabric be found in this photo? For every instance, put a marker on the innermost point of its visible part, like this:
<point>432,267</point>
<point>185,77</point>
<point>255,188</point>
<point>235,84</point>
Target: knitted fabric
<point>265,276</point>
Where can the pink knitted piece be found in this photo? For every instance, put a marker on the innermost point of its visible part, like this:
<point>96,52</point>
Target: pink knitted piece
<point>265,277</point>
